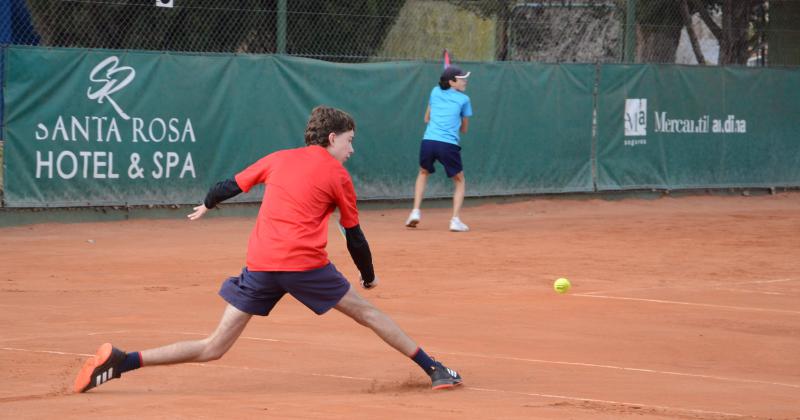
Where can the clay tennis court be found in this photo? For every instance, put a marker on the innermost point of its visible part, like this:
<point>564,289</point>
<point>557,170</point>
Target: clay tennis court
<point>680,308</point>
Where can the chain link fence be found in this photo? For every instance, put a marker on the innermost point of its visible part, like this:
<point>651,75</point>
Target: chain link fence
<point>710,32</point>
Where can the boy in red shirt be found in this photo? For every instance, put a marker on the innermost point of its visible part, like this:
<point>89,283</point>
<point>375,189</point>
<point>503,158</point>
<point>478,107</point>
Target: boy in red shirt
<point>286,254</point>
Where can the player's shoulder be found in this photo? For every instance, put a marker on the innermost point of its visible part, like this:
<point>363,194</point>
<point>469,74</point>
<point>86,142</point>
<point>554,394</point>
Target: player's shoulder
<point>277,154</point>
<point>338,174</point>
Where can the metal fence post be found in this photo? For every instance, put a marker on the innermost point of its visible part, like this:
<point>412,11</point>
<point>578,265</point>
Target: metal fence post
<point>630,32</point>
<point>281,27</point>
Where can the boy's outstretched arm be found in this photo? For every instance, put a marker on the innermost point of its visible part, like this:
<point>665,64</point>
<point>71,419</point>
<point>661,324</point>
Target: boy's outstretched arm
<point>220,192</point>
<point>359,250</point>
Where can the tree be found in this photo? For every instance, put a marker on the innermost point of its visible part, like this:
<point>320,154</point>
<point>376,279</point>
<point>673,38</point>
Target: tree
<point>500,10</point>
<point>736,35</point>
<point>658,30</point>
<point>659,23</point>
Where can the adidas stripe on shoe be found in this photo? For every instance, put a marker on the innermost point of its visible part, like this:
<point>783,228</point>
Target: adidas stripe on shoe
<point>443,377</point>
<point>100,368</point>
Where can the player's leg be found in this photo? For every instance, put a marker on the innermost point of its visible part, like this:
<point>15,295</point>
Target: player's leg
<point>363,312</point>
<point>207,349</point>
<point>451,159</point>
<point>251,293</point>
<point>459,188</point>
<point>419,190</point>
<point>110,363</point>
<point>427,156</point>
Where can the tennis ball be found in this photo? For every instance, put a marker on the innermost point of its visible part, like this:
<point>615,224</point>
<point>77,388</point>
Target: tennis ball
<point>561,285</point>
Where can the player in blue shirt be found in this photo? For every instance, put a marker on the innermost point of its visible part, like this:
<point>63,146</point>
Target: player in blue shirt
<point>447,116</point>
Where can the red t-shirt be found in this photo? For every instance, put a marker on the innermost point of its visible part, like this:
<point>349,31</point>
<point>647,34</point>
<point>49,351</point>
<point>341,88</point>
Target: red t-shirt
<point>303,187</point>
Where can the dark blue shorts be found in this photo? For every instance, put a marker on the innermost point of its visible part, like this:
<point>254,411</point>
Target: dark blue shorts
<point>448,154</point>
<point>257,292</point>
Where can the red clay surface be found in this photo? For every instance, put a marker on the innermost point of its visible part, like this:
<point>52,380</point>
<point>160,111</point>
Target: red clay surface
<point>680,308</point>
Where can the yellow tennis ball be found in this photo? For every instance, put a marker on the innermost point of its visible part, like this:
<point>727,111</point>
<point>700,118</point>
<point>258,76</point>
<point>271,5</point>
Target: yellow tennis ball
<point>562,285</point>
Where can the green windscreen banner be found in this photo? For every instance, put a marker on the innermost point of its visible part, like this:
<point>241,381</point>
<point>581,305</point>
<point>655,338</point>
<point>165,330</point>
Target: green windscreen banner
<point>96,128</point>
<point>677,127</point>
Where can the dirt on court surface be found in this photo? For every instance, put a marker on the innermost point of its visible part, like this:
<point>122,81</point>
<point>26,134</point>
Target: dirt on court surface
<point>680,308</point>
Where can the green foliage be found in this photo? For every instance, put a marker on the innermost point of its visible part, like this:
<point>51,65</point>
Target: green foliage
<point>349,30</point>
<point>425,27</point>
<point>486,8</point>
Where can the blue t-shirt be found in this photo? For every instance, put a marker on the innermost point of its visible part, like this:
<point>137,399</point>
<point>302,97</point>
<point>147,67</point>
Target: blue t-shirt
<point>447,108</point>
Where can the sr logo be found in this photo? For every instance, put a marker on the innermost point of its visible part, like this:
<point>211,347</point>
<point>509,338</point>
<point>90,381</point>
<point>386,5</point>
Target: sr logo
<point>113,78</point>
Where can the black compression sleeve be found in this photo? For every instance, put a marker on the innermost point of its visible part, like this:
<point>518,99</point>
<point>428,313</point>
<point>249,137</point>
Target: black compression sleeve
<point>222,191</point>
<point>359,251</point>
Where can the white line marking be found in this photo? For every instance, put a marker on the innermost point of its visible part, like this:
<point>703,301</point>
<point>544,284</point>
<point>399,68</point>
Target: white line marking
<point>629,369</point>
<point>709,284</point>
<point>325,375</point>
<point>764,281</point>
<point>498,357</point>
<point>758,292</point>
<point>108,332</point>
<point>191,333</point>
<point>46,352</point>
<point>554,362</point>
<point>582,399</point>
<point>705,305</point>
<point>564,397</point>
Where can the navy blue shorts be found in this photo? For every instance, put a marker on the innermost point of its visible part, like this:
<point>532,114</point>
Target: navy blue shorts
<point>257,292</point>
<point>448,154</point>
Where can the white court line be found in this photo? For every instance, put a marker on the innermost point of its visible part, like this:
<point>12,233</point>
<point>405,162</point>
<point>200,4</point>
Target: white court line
<point>108,332</point>
<point>715,286</point>
<point>623,368</point>
<point>244,337</point>
<point>705,305</point>
<point>61,353</point>
<point>364,379</point>
<point>758,292</point>
<point>325,375</point>
<point>764,281</point>
<point>630,404</point>
<point>555,362</point>
<point>501,357</point>
<point>532,394</point>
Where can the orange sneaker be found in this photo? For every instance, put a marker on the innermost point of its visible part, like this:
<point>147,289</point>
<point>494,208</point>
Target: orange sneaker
<point>100,368</point>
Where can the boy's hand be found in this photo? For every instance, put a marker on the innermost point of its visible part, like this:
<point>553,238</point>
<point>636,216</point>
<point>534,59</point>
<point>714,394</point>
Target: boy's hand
<point>368,284</point>
<point>199,211</point>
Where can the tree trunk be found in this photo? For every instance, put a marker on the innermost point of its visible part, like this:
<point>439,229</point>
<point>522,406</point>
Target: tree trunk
<point>501,34</point>
<point>735,22</point>
<point>657,43</point>
<point>687,23</point>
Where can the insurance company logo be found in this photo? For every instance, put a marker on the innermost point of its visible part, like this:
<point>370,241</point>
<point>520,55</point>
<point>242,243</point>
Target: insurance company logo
<point>636,117</point>
<point>109,78</point>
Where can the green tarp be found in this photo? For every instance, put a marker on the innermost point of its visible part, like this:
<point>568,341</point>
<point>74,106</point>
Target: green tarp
<point>678,127</point>
<point>91,128</point>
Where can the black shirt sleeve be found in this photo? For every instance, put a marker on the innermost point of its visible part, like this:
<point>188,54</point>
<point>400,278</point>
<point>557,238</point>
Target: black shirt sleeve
<point>359,250</point>
<point>222,191</point>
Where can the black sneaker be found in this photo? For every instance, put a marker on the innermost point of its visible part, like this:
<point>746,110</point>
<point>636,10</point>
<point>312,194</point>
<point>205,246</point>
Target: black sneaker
<point>443,377</point>
<point>101,368</point>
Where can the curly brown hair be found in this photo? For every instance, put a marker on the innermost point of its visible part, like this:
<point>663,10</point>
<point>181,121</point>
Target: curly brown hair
<point>325,120</point>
